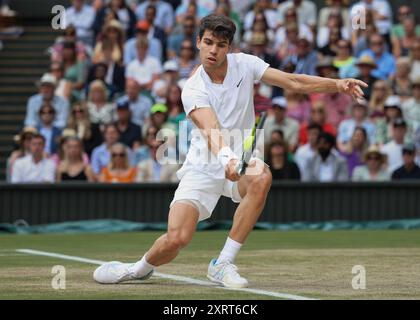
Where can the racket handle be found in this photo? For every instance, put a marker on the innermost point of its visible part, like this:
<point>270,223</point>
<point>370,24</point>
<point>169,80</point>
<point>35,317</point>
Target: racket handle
<point>240,168</point>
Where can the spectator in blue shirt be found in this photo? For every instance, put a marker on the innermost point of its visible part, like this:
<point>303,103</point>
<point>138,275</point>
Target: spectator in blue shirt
<point>140,104</point>
<point>155,46</point>
<point>384,60</point>
<point>305,60</point>
<point>359,119</point>
<point>46,96</point>
<point>164,14</point>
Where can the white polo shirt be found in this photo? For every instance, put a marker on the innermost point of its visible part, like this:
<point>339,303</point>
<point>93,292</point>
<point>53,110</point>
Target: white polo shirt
<point>25,170</point>
<point>233,103</point>
<point>143,71</point>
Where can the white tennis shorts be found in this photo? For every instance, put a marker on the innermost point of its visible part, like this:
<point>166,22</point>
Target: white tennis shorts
<point>205,191</point>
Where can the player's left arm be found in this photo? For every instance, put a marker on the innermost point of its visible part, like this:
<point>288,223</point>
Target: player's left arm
<point>311,84</point>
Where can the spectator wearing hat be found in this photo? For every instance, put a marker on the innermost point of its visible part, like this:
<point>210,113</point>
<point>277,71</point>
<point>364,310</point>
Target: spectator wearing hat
<point>35,167</point>
<point>129,132</point>
<point>317,116</point>
<point>176,39</point>
<point>373,169</point>
<point>145,69</point>
<point>384,60</point>
<point>187,60</point>
<point>308,150</point>
<point>259,46</point>
<point>81,16</point>
<point>112,36</point>
<point>165,17</point>
<point>325,68</point>
<point>327,165</point>
<point>365,66</point>
<point>23,142</point>
<point>159,114</point>
<point>116,10</point>
<point>169,76</point>
<point>359,119</point>
<point>409,170</point>
<point>140,104</point>
<point>411,107</point>
<point>46,95</point>
<point>393,149</point>
<point>279,121</point>
<point>155,48</point>
<point>384,126</point>
<point>47,129</point>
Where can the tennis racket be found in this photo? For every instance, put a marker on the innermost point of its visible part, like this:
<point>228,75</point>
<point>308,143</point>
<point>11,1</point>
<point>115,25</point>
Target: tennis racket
<point>249,145</point>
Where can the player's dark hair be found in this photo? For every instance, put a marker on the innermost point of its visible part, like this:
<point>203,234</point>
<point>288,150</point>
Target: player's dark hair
<point>221,26</point>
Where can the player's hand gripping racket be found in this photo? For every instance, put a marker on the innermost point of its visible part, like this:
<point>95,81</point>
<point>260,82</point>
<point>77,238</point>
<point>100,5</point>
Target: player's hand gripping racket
<point>249,145</point>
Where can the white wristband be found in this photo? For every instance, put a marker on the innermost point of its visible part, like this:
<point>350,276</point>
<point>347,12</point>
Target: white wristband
<point>225,155</point>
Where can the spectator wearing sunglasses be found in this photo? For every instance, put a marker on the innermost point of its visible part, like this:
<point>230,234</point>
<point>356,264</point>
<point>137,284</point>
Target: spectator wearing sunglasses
<point>373,169</point>
<point>119,169</point>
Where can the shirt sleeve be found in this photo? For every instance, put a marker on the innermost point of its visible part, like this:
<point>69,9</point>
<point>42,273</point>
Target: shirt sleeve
<point>257,66</point>
<point>194,99</point>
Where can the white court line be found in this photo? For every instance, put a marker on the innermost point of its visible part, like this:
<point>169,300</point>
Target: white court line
<point>168,276</point>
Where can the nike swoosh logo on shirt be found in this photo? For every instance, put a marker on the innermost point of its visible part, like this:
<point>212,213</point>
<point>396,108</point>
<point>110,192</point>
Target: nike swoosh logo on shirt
<point>239,83</point>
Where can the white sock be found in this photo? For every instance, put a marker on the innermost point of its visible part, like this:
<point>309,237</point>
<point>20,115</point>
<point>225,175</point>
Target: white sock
<point>229,252</point>
<point>142,267</point>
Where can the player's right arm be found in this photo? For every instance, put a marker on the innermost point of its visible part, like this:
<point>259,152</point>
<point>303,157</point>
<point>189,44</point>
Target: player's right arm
<point>206,120</point>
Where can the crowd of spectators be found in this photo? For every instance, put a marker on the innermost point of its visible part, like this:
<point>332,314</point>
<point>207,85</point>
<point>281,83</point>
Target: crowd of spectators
<point>114,86</point>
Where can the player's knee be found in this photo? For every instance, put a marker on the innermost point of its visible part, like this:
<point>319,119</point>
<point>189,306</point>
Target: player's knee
<point>178,240</point>
<point>261,183</point>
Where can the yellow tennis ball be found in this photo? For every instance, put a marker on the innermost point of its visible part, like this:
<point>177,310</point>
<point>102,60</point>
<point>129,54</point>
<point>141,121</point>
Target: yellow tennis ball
<point>248,143</point>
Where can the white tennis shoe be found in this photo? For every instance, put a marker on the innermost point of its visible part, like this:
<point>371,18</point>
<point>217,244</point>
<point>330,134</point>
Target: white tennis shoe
<point>115,272</point>
<point>226,274</point>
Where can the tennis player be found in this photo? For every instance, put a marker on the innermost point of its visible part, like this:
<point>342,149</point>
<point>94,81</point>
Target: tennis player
<point>219,95</point>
